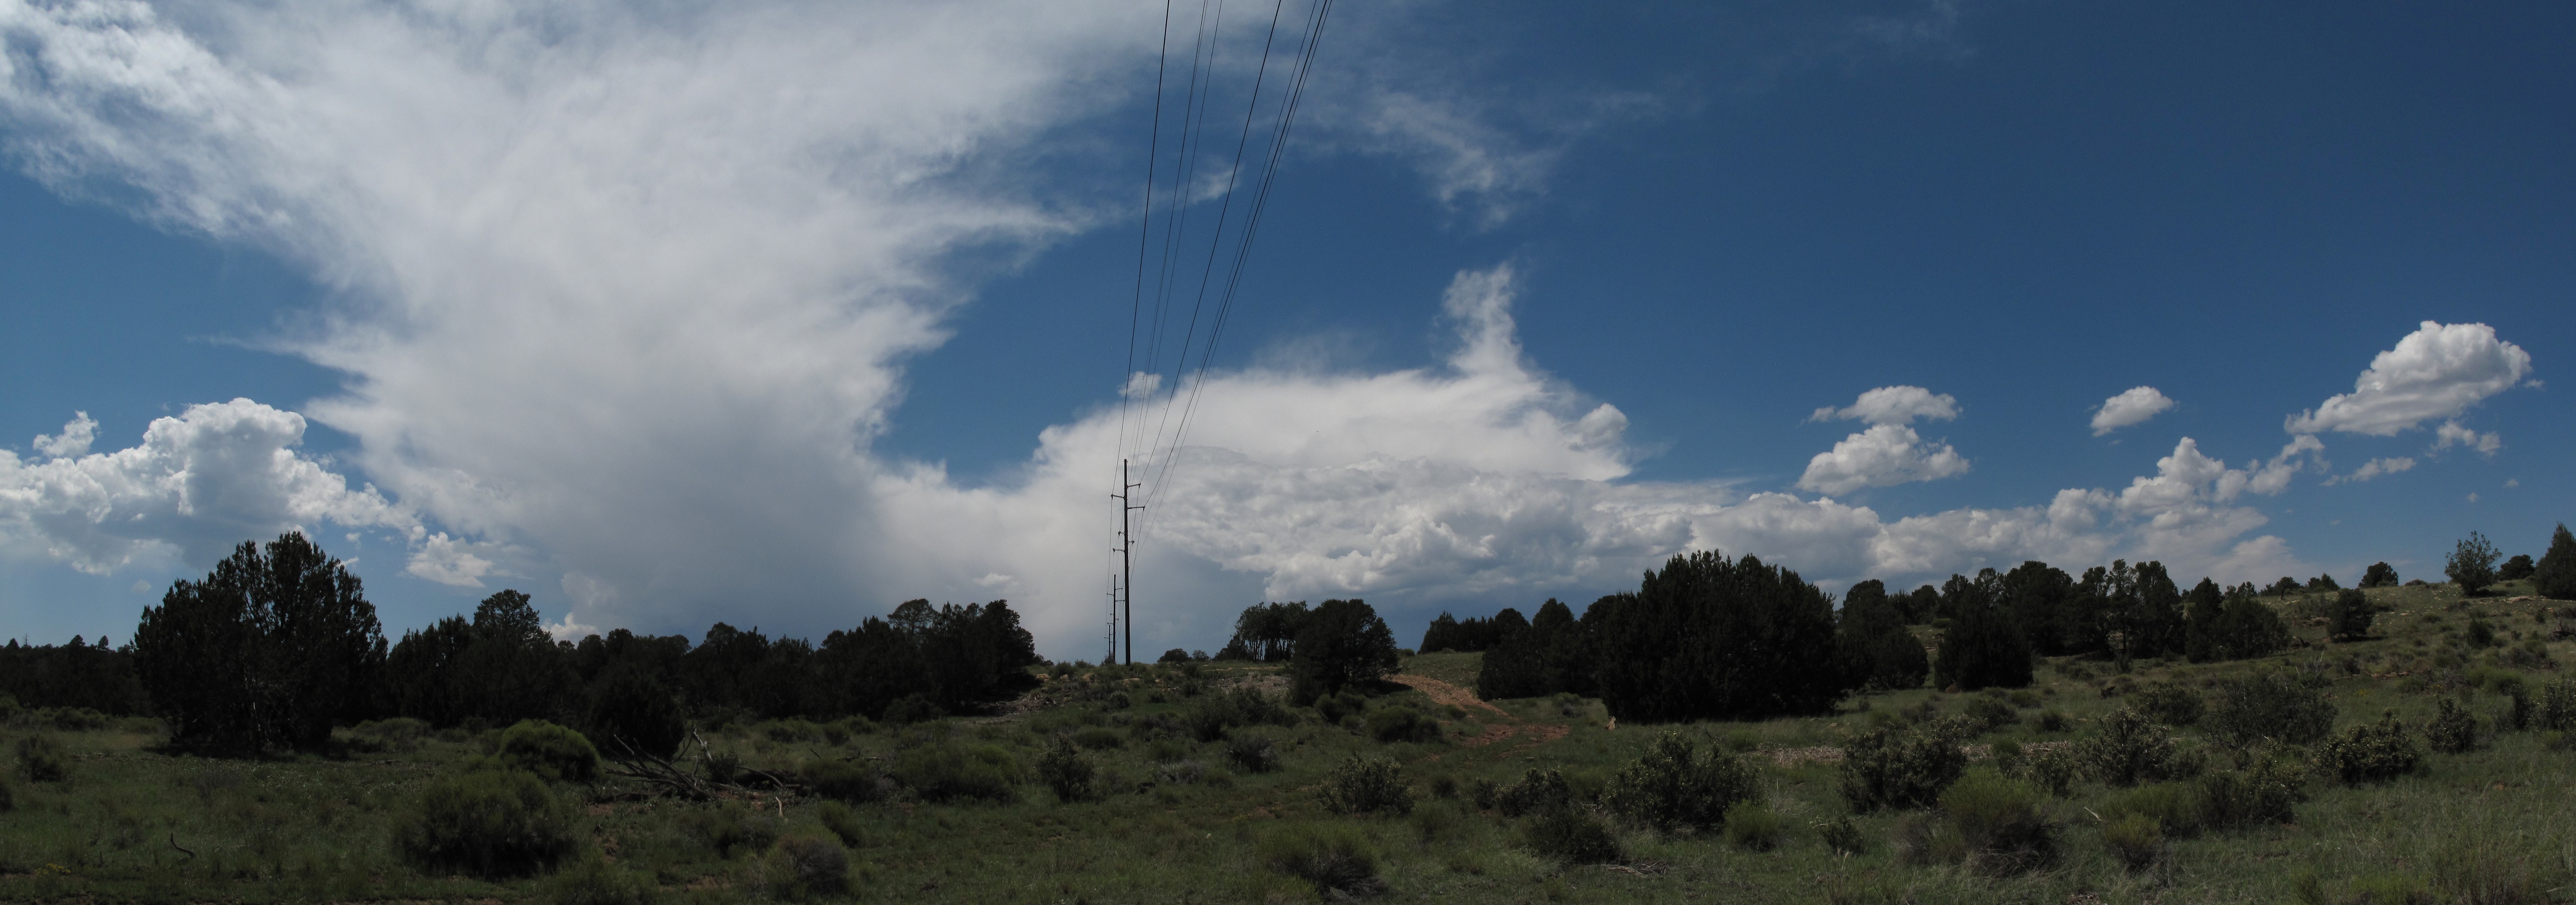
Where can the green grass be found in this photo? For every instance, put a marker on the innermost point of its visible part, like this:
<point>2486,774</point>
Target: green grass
<point>1176,822</point>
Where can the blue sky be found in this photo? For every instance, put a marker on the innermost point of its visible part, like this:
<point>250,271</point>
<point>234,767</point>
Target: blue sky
<point>832,312</point>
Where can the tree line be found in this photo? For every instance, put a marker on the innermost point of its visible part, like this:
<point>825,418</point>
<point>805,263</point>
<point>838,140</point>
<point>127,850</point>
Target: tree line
<point>278,644</point>
<point>1709,637</point>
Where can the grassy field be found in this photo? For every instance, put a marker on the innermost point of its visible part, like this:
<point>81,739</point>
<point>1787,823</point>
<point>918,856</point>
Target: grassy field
<point>1177,819</point>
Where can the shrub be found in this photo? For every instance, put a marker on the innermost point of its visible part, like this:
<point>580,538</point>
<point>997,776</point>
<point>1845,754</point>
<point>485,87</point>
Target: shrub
<point>950,771</point>
<point>2372,752</point>
<point>1364,785</point>
<point>843,823</point>
<point>2176,808</point>
<point>8,796</point>
<point>1254,752</point>
<point>2169,703</point>
<point>1899,768</point>
<point>1334,857</point>
<point>1211,717</point>
<point>2349,617</point>
<point>2264,792</point>
<point>913,708</point>
<point>41,759</point>
<point>2136,841</point>
<point>1842,836</point>
<point>1064,769</point>
<point>841,780</point>
<point>1536,790</point>
<point>1672,785</point>
<point>1097,737</point>
<point>2472,564</point>
<point>730,829</point>
<point>812,865</point>
<point>2271,705</point>
<point>2452,730</point>
<point>1397,723</point>
<point>2053,770</point>
<point>2554,576</point>
<point>552,752</point>
<point>2517,568</point>
<point>1752,827</point>
<point>400,733</point>
<point>2555,708</point>
<point>488,823</point>
<point>2052,721</point>
<point>1990,712</point>
<point>2129,750</point>
<point>1571,835</point>
<point>2003,824</point>
<point>594,881</point>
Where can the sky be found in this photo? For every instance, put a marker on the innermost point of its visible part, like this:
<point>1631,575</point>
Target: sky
<point>780,314</point>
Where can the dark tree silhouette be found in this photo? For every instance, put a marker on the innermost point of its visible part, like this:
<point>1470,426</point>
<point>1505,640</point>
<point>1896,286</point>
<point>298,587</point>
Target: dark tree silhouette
<point>1872,642</point>
<point>1982,648</point>
<point>2555,575</point>
<point>1709,637</point>
<point>2472,564</point>
<point>1343,644</point>
<point>270,650</point>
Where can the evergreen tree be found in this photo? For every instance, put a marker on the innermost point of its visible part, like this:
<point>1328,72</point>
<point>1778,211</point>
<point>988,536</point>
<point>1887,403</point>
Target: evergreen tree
<point>1442,635</point>
<point>2380,575</point>
<point>270,650</point>
<point>2516,569</point>
<point>1342,645</point>
<point>1546,658</point>
<point>1982,648</point>
<point>2202,610</point>
<point>2472,564</point>
<point>1713,638</point>
<point>2040,597</point>
<point>2555,576</point>
<point>1872,642</point>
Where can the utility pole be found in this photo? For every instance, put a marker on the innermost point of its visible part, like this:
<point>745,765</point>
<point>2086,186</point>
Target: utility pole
<point>1113,621</point>
<point>1127,555</point>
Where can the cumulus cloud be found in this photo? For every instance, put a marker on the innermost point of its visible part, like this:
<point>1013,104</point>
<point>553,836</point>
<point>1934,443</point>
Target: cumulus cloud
<point>1885,455</point>
<point>1893,405</point>
<point>2133,406</point>
<point>2451,434</point>
<point>628,297</point>
<point>198,484</point>
<point>2438,371</point>
<point>75,439</point>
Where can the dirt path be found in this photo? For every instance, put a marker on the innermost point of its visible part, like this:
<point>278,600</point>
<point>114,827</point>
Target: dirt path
<point>1444,693</point>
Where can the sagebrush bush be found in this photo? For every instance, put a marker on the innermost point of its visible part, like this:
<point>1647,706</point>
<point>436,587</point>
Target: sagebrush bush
<point>1572,835</point>
<point>2052,721</point>
<point>1843,836</point>
<point>2169,703</point>
<point>2003,824</point>
<point>1098,738</point>
<point>2554,708</point>
<point>841,780</point>
<point>2271,705</point>
<point>553,753</point>
<point>488,823</point>
<point>1398,723</point>
<point>1990,712</point>
<point>1675,785</point>
<point>2053,770</point>
<point>954,771</point>
<point>842,822</point>
<point>2128,750</point>
<point>1753,827</point>
<point>2452,730</point>
<point>1334,857</point>
<point>1210,717</point>
<point>2272,782</point>
<point>1254,752</point>
<point>731,829</point>
<point>2176,808</point>
<point>1363,785</point>
<point>2136,840</point>
<point>1888,767</point>
<point>2371,752</point>
<point>1536,790</point>
<point>400,733</point>
<point>1065,771</point>
<point>40,759</point>
<point>594,881</point>
<point>799,867</point>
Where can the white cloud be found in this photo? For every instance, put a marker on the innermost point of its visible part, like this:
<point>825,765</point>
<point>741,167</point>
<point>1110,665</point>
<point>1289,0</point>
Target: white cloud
<point>2132,406</point>
<point>74,441</point>
<point>2438,371</point>
<point>2451,434</point>
<point>628,297</point>
<point>2372,469</point>
<point>1893,405</point>
<point>1885,455</point>
<point>198,484</point>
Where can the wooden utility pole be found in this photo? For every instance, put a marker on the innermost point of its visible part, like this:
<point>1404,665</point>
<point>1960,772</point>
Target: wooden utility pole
<point>1127,556</point>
